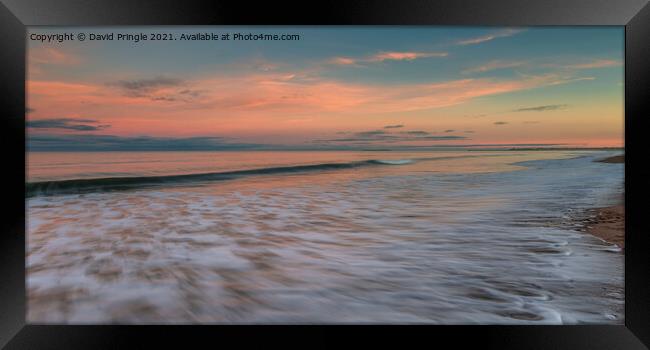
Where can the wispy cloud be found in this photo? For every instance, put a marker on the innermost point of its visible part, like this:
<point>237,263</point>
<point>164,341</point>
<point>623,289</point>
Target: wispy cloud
<point>415,132</point>
<point>67,124</point>
<point>541,108</point>
<point>144,87</point>
<point>475,115</point>
<point>382,136</point>
<point>387,56</point>
<point>157,89</point>
<point>51,55</point>
<point>119,143</point>
<point>344,61</point>
<point>260,98</point>
<point>392,139</point>
<point>500,123</point>
<point>488,37</point>
<point>538,63</point>
<point>572,80</point>
<point>404,56</point>
<point>397,126</point>
<point>493,65</point>
<point>372,133</point>
<point>595,64</point>
<point>44,59</point>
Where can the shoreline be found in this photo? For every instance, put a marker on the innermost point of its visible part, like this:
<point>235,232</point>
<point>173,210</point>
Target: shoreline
<point>613,159</point>
<point>607,223</point>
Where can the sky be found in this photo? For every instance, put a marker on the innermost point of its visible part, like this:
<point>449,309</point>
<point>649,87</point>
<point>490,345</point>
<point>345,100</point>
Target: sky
<point>334,88</point>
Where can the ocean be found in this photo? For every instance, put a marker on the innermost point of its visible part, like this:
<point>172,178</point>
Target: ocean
<point>436,237</point>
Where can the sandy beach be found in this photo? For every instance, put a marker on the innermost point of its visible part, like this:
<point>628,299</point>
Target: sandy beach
<point>614,159</point>
<point>608,223</point>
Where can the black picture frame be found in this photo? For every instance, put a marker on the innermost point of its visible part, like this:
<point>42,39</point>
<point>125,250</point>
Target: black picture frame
<point>15,15</point>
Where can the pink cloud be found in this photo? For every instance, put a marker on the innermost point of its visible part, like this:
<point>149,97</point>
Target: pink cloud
<point>237,104</point>
<point>595,64</point>
<point>405,56</point>
<point>489,37</point>
<point>49,55</point>
<point>387,56</point>
<point>501,64</point>
<point>343,61</point>
<point>493,65</point>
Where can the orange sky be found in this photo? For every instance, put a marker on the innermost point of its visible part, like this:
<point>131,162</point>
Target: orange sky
<point>330,99</point>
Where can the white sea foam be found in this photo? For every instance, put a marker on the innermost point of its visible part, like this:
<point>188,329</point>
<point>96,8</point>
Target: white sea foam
<point>390,245</point>
<point>394,161</point>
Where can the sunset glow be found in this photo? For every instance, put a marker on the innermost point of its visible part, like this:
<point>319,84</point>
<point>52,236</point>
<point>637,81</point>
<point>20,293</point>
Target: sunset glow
<point>371,175</point>
<point>339,88</point>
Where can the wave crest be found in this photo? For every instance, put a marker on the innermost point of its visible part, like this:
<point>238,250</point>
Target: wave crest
<point>393,161</point>
<point>124,183</point>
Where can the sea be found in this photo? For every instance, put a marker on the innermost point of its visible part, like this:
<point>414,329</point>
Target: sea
<point>294,237</point>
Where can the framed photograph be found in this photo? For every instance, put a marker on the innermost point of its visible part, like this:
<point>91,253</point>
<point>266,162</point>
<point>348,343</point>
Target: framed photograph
<point>465,171</point>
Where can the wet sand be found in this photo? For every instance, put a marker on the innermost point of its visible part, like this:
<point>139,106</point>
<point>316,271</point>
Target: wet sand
<point>609,224</point>
<point>614,159</point>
